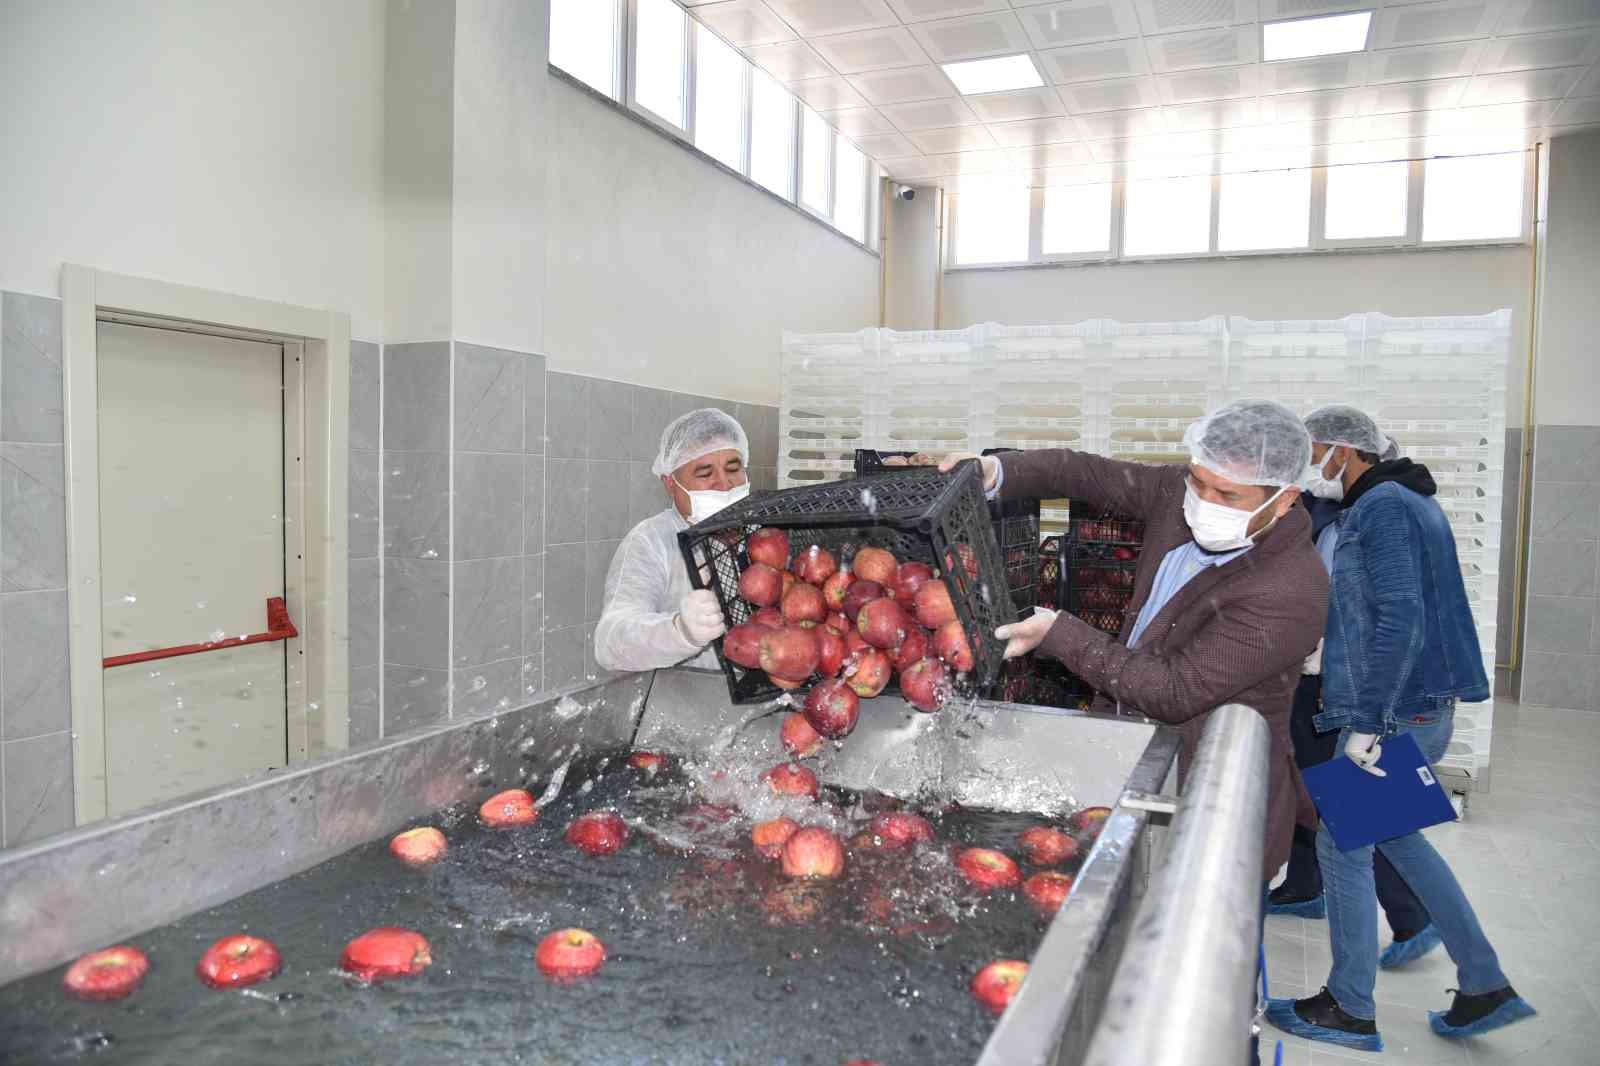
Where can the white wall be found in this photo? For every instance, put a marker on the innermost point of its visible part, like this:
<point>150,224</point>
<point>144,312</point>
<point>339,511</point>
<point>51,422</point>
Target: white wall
<point>664,272</point>
<point>1569,316</point>
<point>913,251</point>
<point>230,144</point>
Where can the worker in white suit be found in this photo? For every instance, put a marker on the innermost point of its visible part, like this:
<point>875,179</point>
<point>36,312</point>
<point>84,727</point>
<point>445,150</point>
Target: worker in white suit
<point>652,617</point>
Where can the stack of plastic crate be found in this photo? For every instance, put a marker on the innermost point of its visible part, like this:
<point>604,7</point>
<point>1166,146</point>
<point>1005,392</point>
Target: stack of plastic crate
<point>825,411</point>
<point>1301,364</point>
<point>1438,386</point>
<point>927,389</point>
<point>1155,378</point>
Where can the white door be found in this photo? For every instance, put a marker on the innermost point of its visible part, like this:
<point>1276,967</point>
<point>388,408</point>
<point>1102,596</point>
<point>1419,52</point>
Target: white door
<point>191,549</point>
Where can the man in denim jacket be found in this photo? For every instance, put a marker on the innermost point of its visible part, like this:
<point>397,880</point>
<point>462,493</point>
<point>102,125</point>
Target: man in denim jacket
<point>1399,652</point>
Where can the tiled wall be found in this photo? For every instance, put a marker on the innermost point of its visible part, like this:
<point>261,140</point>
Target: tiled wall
<point>1510,495</point>
<point>366,540</point>
<point>35,704</point>
<point>1561,649</point>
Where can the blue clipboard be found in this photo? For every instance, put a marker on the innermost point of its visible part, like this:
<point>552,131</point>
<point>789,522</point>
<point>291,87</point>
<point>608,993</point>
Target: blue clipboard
<point>1360,809</point>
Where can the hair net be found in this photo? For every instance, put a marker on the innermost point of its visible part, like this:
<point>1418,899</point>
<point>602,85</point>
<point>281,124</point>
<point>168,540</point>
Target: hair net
<point>698,433</point>
<point>1339,423</point>
<point>1252,442</point>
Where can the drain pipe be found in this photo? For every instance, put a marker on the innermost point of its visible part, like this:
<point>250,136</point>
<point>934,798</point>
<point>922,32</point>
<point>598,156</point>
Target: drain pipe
<point>1185,990</point>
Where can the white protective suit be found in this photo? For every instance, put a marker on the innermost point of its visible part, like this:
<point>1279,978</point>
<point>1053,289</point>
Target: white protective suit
<point>644,586</point>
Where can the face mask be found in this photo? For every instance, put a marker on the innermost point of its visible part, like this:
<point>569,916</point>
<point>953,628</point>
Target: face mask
<point>1217,528</point>
<point>1324,488</point>
<point>704,503</point>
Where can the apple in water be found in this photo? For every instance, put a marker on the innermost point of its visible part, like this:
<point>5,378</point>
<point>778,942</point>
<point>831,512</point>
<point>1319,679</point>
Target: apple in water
<point>1045,845</point>
<point>793,903</point>
<point>908,579</point>
<point>916,645</point>
<point>882,623</point>
<point>900,829</point>
<point>790,653</point>
<point>830,652</point>
<point>769,837</point>
<point>761,584</point>
<point>950,644</point>
<point>813,852</point>
<point>514,806</point>
<point>1090,820</point>
<point>875,564</point>
<point>238,961</point>
<point>651,762</point>
<point>925,684</point>
<point>836,587</point>
<point>1047,890</point>
<point>868,672</point>
<point>804,603</point>
<point>110,973</point>
<point>418,847</point>
<point>933,605</point>
<point>787,779</point>
<point>986,869</point>
<point>798,737</point>
<point>832,709</point>
<point>742,645</point>
<point>816,565</point>
<point>996,984</point>
<point>859,595</point>
<point>770,547</point>
<point>568,954</point>
<point>598,833</point>
<point>379,954</point>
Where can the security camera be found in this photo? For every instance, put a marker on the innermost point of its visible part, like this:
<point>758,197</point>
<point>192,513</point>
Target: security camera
<point>905,192</point>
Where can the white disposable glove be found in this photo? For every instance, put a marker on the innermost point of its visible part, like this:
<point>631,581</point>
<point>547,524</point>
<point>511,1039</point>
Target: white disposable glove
<point>1365,751</point>
<point>987,463</point>
<point>1022,637</point>
<point>700,617</point>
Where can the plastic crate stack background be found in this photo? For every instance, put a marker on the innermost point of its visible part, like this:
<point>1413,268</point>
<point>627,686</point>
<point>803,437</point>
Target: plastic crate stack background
<point>1129,390</point>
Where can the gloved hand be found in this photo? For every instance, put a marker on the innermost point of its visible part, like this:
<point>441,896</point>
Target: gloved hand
<point>1365,751</point>
<point>700,617</point>
<point>988,463</point>
<point>1022,637</point>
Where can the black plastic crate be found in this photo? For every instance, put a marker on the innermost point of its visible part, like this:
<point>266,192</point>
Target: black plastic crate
<point>1099,558</point>
<point>1041,682</point>
<point>918,514</point>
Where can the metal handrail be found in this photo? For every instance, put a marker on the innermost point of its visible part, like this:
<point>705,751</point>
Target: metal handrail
<point>1184,991</point>
<point>279,627</point>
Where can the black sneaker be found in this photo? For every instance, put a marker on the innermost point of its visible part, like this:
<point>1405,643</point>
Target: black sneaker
<point>1321,1018</point>
<point>1472,1015</point>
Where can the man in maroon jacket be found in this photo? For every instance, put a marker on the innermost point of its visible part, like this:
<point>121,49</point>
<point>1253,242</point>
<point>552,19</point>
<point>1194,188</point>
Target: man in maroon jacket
<point>1230,595</point>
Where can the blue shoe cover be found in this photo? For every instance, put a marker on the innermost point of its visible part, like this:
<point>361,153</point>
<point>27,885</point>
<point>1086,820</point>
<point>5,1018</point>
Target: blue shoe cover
<point>1512,1010</point>
<point>1315,907</point>
<point>1401,952</point>
<point>1281,1013</point>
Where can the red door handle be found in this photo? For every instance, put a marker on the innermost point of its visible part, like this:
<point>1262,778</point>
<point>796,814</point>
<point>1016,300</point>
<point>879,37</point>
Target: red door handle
<point>279,627</point>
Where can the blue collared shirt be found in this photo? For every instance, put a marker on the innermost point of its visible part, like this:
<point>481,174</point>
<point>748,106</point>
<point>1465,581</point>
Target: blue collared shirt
<point>1178,568</point>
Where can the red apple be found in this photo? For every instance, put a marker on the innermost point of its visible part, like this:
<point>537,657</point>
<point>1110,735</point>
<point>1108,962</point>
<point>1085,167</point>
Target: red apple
<point>830,652</point>
<point>110,973</point>
<point>418,847</point>
<point>969,560</point>
<point>769,547</point>
<point>386,952</point>
<point>996,984</point>
<point>882,623</point>
<point>854,644</point>
<point>950,644</point>
<point>925,684</point>
<point>986,869</point>
<point>900,829</point>
<point>868,672</point>
<point>790,653</point>
<point>933,605</point>
<point>793,903</point>
<point>1090,820</point>
<point>789,581</point>
<point>816,565</point>
<point>770,617</point>
<point>1125,554</point>
<point>787,779</point>
<point>761,584</point>
<point>839,623</point>
<point>568,954</point>
<point>803,603</point>
<point>651,762</point>
<point>908,579</point>
<point>798,737</point>
<point>769,837</point>
<point>742,645</point>
<point>237,961</point>
<point>859,595</point>
<point>832,709</point>
<point>1045,845</point>
<point>1047,890</point>
<point>785,684</point>
<point>514,806</point>
<point>835,588</point>
<point>875,564</point>
<point>598,833</point>
<point>813,852</point>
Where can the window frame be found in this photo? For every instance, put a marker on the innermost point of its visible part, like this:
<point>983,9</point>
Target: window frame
<point>686,131</point>
<point>621,15</point>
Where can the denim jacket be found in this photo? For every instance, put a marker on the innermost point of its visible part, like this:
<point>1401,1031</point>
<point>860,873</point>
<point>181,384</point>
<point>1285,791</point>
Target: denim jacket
<point>1400,642</point>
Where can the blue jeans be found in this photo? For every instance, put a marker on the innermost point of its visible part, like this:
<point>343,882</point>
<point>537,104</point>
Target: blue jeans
<point>1353,919</point>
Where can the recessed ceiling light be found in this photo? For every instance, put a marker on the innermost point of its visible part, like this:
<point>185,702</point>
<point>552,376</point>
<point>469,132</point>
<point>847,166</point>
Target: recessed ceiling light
<point>1325,36</point>
<point>994,75</point>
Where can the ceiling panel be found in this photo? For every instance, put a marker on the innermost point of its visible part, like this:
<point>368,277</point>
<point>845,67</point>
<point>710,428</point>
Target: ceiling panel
<point>859,121</point>
<point>1585,110</point>
<point>1531,16</point>
<point>972,37</point>
<point>1079,22</point>
<point>1569,49</point>
<point>1111,125</point>
<point>930,115</point>
<point>1037,131</point>
<point>853,53</point>
<point>1323,72</point>
<point>745,22</point>
<point>1416,95</point>
<point>922,10</point>
<point>908,168</point>
<point>1217,84</point>
<point>1430,61</point>
<point>1117,94</point>
<point>1590,83</point>
<point>790,61</point>
<point>1171,16</point>
<point>827,94</point>
<point>1040,156</point>
<point>1521,85</point>
<point>1301,107</point>
<point>1292,9</point>
<point>1215,115</point>
<point>1015,106</point>
<point>953,139</point>
<point>1096,62</point>
<point>883,145</point>
<point>817,18</point>
<point>900,86</point>
<point>1224,47</point>
<point>1440,20</point>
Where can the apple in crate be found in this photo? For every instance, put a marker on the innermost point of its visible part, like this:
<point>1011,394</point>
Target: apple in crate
<point>799,739</point>
<point>804,603</point>
<point>900,829</point>
<point>925,684</point>
<point>986,869</point>
<point>598,833</point>
<point>110,973</point>
<point>816,565</point>
<point>950,644</point>
<point>916,646</point>
<point>787,779</point>
<point>858,596</point>
<point>933,605</point>
<point>1045,845</point>
<point>882,623</point>
<point>568,954</point>
<point>832,709</point>
<point>386,952</point>
<point>239,961</point>
<point>418,847</point>
<point>839,623</point>
<point>831,652</point>
<point>836,587</point>
<point>875,564</point>
<point>996,984</point>
<point>761,585</point>
<point>790,653</point>
<point>813,852</point>
<point>908,579</point>
<point>769,837</point>
<point>868,672</point>
<point>770,617</point>
<point>1047,890</point>
<point>770,547</point>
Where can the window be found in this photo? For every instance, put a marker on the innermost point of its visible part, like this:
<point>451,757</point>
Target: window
<point>1167,216</point>
<point>772,135</point>
<point>660,34</point>
<point>1472,197</point>
<point>583,42</point>
<point>1077,219</point>
<point>720,74</point>
<point>991,222</point>
<point>1264,209</point>
<point>1366,200</point>
<point>814,162</point>
<point>849,190</point>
